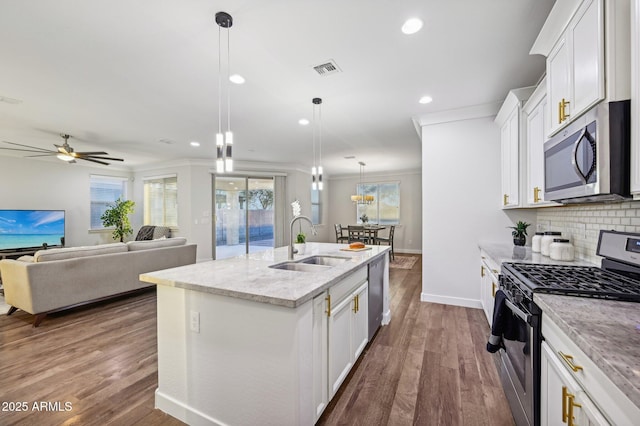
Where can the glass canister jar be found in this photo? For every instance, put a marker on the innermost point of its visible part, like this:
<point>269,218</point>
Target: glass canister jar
<point>536,242</point>
<point>546,241</point>
<point>561,249</point>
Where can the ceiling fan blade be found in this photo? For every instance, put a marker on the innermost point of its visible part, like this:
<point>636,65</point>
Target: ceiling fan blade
<point>93,161</point>
<point>40,155</point>
<point>92,153</point>
<point>34,148</point>
<point>99,157</point>
<point>44,151</point>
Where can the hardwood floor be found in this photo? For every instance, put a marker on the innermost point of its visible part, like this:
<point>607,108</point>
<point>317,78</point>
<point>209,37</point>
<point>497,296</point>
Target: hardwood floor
<point>427,367</point>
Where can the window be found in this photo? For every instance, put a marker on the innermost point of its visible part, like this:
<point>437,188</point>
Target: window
<point>385,209</point>
<point>316,207</point>
<point>161,201</point>
<point>104,191</point>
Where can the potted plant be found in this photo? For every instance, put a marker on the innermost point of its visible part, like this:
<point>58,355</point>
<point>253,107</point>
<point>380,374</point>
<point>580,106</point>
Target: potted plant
<point>300,243</point>
<point>520,233</point>
<point>117,216</point>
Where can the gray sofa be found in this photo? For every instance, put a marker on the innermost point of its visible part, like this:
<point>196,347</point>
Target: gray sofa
<point>51,280</point>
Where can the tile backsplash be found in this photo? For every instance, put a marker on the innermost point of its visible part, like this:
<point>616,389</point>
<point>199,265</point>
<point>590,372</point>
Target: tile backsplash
<point>582,223</point>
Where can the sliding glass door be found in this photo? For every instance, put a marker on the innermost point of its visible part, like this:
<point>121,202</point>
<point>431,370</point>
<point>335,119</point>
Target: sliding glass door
<point>244,215</point>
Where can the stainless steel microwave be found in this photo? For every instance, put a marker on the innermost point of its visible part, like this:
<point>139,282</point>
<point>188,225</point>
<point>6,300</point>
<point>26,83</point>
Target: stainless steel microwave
<point>588,161</point>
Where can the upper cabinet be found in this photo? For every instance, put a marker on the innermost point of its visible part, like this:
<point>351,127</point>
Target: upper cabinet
<point>635,98</point>
<point>575,66</point>
<point>536,119</point>
<point>586,43</point>
<point>512,138</point>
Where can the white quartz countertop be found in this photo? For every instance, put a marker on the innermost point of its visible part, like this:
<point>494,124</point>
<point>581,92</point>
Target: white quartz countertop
<point>249,276</point>
<point>501,252</point>
<point>605,331</point>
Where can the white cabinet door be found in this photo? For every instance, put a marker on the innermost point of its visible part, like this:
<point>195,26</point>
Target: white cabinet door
<point>587,36</point>
<point>340,353</point>
<point>320,355</point>
<point>558,91</point>
<point>562,400</point>
<point>635,97</point>
<point>575,66</point>
<point>360,336</point>
<point>509,135</point>
<point>536,131</point>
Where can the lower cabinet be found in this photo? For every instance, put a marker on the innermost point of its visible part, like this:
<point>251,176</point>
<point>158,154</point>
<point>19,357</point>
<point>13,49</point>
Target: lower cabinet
<point>563,401</point>
<point>347,335</point>
<point>488,285</point>
<point>340,334</point>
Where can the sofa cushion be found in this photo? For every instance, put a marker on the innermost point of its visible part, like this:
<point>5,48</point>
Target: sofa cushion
<point>152,232</point>
<point>73,252</point>
<point>151,244</point>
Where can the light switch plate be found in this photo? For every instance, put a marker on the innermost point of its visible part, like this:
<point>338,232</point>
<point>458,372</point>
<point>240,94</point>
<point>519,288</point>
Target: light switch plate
<point>195,321</point>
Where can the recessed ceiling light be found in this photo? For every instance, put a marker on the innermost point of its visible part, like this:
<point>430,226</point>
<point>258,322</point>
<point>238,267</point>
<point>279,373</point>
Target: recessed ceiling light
<point>194,143</point>
<point>303,122</point>
<point>412,26</point>
<point>237,79</point>
<point>425,99</point>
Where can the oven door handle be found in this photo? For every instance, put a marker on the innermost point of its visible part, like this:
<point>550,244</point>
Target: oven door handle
<point>518,312</point>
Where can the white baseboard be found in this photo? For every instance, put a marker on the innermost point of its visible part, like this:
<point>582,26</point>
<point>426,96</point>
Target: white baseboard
<point>183,412</point>
<point>448,300</point>
<point>408,251</point>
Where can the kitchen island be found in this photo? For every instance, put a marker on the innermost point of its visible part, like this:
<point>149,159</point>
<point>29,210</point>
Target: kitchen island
<point>241,342</point>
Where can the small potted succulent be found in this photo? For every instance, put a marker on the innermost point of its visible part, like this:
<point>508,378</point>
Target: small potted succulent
<point>300,243</point>
<point>520,233</point>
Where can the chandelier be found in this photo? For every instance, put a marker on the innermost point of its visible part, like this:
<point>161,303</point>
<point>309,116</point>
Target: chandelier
<point>360,197</point>
<point>224,143</point>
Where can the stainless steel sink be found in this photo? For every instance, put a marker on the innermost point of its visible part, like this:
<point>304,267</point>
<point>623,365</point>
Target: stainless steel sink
<point>324,260</point>
<point>299,266</point>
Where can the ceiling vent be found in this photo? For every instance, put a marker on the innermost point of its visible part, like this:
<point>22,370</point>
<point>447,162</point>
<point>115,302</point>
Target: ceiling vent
<point>327,68</point>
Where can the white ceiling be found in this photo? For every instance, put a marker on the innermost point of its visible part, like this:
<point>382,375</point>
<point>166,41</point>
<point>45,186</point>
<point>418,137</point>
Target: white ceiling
<point>123,76</point>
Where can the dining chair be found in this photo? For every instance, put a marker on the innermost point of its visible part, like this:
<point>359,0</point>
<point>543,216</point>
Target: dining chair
<point>388,240</point>
<point>357,233</point>
<point>340,237</point>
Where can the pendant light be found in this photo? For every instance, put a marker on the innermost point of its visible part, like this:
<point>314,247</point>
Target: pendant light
<point>224,142</point>
<point>316,172</point>
<point>360,197</point>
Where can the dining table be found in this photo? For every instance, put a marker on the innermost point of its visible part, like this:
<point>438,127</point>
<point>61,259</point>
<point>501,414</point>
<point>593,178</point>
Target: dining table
<point>370,232</point>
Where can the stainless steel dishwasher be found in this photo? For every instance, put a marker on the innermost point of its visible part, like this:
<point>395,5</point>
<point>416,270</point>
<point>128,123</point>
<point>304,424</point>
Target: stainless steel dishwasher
<point>376,278</point>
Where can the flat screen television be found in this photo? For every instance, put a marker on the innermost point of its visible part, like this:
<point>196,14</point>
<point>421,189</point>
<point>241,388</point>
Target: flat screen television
<point>31,229</point>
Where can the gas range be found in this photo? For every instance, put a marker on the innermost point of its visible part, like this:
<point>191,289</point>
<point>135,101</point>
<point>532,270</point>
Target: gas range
<point>617,279</point>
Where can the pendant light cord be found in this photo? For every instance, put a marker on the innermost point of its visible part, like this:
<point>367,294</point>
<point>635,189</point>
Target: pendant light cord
<point>228,76</point>
<point>219,82</point>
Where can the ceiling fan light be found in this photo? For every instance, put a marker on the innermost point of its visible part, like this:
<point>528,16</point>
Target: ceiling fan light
<point>65,157</point>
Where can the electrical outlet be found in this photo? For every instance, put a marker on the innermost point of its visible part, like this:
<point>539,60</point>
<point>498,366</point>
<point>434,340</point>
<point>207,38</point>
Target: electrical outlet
<point>195,321</point>
<point>581,230</point>
<point>543,225</point>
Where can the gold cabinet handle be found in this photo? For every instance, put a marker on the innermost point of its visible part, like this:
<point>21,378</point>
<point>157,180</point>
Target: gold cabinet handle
<point>505,199</point>
<point>328,299</point>
<point>536,195</point>
<point>564,404</point>
<point>355,303</point>
<point>568,404</point>
<point>493,289</point>
<point>481,270</point>
<point>562,110</point>
<point>569,360</point>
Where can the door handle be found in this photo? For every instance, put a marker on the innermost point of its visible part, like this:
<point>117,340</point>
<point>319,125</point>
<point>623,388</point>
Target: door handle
<point>536,194</point>
<point>328,299</point>
<point>569,360</point>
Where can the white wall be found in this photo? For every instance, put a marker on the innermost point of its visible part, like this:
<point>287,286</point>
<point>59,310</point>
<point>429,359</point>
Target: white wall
<point>460,207</point>
<point>408,235</point>
<point>54,185</point>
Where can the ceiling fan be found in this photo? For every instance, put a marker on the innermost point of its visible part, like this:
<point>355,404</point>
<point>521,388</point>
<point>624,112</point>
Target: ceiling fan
<point>64,152</point>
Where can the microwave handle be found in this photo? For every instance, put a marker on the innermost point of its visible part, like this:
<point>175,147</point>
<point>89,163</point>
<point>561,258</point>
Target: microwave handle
<point>574,160</point>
